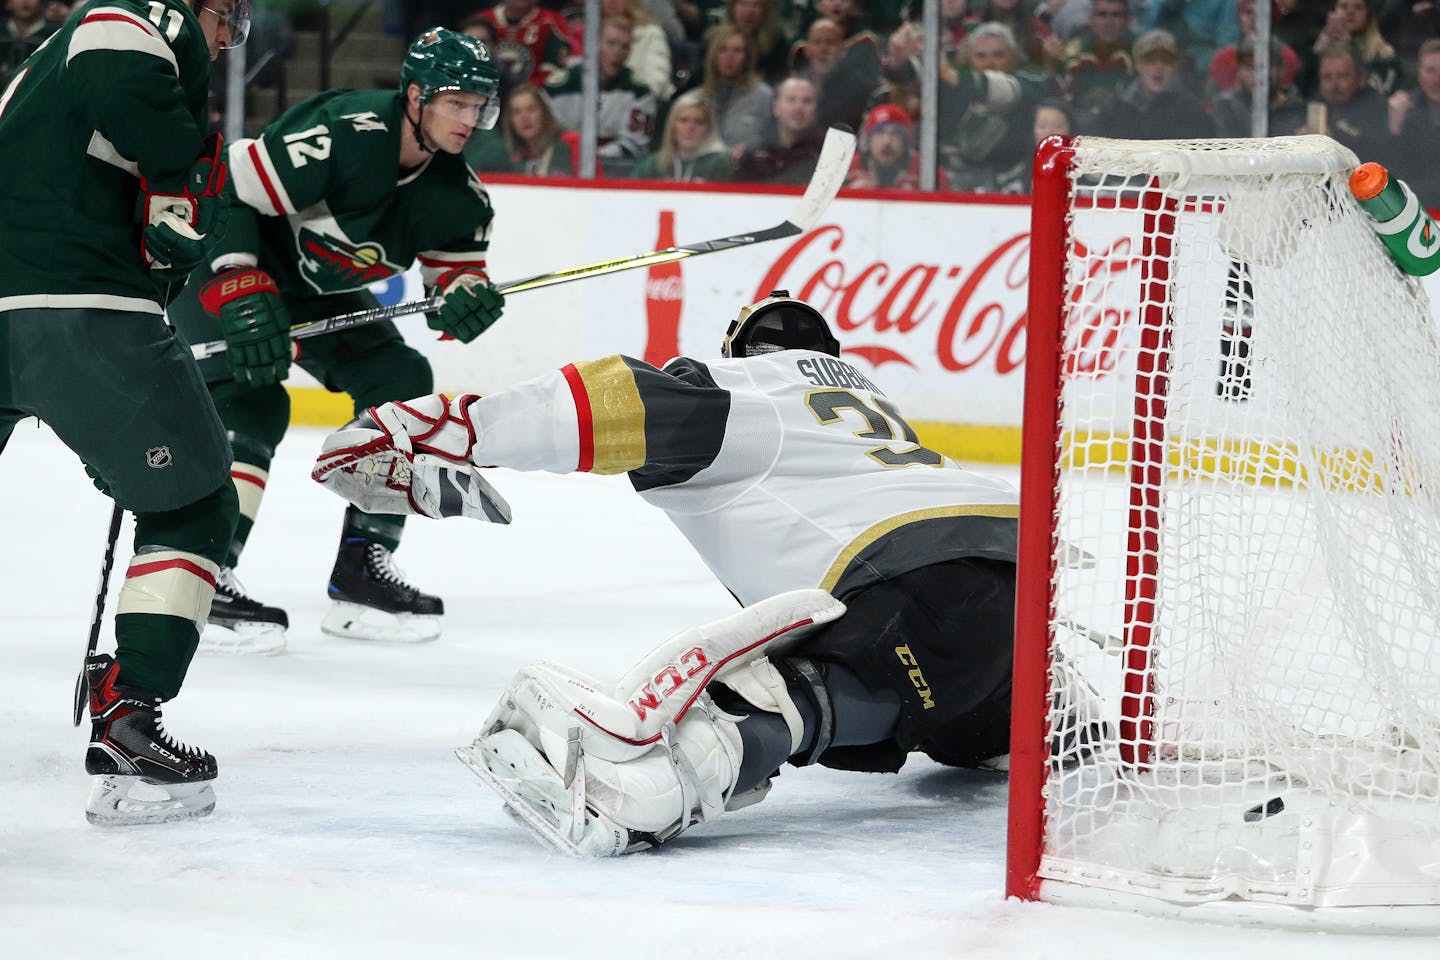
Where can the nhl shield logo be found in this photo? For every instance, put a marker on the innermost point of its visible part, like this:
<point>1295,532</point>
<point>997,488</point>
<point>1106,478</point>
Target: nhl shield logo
<point>157,457</point>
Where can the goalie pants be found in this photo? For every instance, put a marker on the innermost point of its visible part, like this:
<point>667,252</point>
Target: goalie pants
<point>123,393</point>
<point>372,364</point>
<point>941,639</point>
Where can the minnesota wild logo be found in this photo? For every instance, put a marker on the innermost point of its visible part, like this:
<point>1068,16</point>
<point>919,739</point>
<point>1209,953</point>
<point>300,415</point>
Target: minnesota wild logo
<point>331,264</point>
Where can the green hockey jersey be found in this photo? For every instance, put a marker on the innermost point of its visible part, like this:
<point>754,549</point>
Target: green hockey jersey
<point>323,207</point>
<point>117,93</point>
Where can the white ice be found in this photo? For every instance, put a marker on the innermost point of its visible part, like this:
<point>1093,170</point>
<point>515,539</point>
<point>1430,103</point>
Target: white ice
<point>345,827</point>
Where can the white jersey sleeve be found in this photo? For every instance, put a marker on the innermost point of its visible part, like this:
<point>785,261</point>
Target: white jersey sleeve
<point>787,471</point>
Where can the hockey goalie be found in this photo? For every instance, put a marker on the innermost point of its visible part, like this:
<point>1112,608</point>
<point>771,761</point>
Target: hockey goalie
<point>876,577</point>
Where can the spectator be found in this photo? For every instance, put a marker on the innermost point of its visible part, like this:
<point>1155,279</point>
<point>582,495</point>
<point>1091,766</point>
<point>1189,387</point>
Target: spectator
<point>24,30</point>
<point>1350,22</point>
<point>1155,105</point>
<point>846,73</point>
<point>887,156</point>
<point>627,107</point>
<point>983,138</point>
<point>531,43</point>
<point>1036,43</point>
<point>649,60</point>
<point>1050,118</point>
<point>1231,110</point>
<point>740,99</point>
<point>1066,18</point>
<point>1097,61</point>
<point>56,12</point>
<point>1200,27</point>
<point>691,150</point>
<point>1355,114</point>
<point>790,155</point>
<point>1222,73</point>
<point>760,21</point>
<point>1415,125</point>
<point>533,135</point>
<point>1409,23</point>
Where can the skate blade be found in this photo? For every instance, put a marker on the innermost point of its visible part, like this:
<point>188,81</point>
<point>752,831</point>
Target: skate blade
<point>353,621</point>
<point>117,800</point>
<point>247,637</point>
<point>525,801</point>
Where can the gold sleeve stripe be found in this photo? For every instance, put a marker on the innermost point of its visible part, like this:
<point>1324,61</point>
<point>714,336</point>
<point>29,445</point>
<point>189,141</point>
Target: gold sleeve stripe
<point>613,435</point>
<point>1008,511</point>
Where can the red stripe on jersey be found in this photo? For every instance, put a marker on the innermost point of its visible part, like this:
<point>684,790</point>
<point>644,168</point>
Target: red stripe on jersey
<point>476,265</point>
<point>189,566</point>
<point>248,477</point>
<point>584,417</point>
<point>265,180</point>
<point>135,22</point>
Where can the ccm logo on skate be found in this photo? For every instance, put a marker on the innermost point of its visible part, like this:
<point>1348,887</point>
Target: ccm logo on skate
<point>922,687</point>
<point>669,680</point>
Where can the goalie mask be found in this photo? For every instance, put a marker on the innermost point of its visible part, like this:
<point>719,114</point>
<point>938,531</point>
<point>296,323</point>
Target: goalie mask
<point>442,59</point>
<point>779,322</point>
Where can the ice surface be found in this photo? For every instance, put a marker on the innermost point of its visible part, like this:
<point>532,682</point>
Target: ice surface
<point>345,827</point>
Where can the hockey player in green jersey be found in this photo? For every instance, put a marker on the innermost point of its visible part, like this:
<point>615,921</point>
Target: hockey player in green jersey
<point>345,189</point>
<point>107,120</point>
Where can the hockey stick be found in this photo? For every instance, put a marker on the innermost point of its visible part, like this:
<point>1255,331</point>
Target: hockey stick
<point>830,171</point>
<point>116,513</point>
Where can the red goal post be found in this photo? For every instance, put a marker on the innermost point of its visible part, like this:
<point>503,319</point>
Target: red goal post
<point>1229,543</point>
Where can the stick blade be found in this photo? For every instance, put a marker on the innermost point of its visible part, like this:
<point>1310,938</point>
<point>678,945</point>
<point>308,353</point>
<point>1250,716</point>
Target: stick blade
<point>830,171</point>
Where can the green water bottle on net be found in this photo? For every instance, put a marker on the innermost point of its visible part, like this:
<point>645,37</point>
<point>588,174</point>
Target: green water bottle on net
<point>1398,218</point>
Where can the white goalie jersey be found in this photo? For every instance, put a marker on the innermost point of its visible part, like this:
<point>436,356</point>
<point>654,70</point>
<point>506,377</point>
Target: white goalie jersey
<point>785,471</point>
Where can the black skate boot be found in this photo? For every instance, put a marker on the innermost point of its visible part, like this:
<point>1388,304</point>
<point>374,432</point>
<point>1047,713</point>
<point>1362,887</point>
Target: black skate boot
<point>144,775</point>
<point>373,601</point>
<point>240,624</point>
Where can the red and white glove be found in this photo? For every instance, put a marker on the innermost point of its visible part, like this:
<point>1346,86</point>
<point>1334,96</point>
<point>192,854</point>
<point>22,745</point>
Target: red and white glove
<point>411,457</point>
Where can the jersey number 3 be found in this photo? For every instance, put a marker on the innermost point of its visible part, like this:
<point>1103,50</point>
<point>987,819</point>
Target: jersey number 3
<point>827,404</point>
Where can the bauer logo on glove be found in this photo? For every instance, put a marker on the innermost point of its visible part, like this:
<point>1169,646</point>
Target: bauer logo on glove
<point>470,304</point>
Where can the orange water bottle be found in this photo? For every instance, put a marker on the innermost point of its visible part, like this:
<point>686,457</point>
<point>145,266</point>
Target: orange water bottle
<point>1398,218</point>
<point>664,299</point>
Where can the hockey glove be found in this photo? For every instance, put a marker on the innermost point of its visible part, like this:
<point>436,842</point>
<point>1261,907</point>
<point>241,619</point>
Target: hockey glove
<point>411,458</point>
<point>254,323</point>
<point>471,305</point>
<point>183,220</point>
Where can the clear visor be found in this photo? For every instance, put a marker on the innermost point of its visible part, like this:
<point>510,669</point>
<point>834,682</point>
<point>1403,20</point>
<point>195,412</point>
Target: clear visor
<point>484,113</point>
<point>236,18</point>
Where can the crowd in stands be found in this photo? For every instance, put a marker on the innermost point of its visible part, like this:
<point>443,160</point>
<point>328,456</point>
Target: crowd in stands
<point>743,89</point>
<point>26,25</point>
<point>716,90</point>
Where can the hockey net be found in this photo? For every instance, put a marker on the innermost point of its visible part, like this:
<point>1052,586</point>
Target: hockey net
<point>1229,602</point>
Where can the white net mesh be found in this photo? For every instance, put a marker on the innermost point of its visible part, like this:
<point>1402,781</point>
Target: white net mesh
<point>1250,463</point>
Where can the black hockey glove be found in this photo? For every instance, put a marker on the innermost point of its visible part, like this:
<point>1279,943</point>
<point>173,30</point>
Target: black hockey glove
<point>471,306</point>
<point>183,220</point>
<point>254,322</point>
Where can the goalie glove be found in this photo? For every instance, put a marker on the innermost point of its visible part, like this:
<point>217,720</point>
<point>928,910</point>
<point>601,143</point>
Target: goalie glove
<point>598,772</point>
<point>410,458</point>
<point>254,322</point>
<point>470,305</point>
<point>182,221</point>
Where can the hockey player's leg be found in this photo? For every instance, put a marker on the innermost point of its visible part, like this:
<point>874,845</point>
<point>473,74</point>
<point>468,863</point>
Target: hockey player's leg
<point>140,384</point>
<point>599,772</point>
<point>143,774</point>
<point>372,599</point>
<point>255,420</point>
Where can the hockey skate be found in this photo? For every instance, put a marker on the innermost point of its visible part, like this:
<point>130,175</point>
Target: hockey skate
<point>240,624</point>
<point>373,601</point>
<point>143,774</point>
